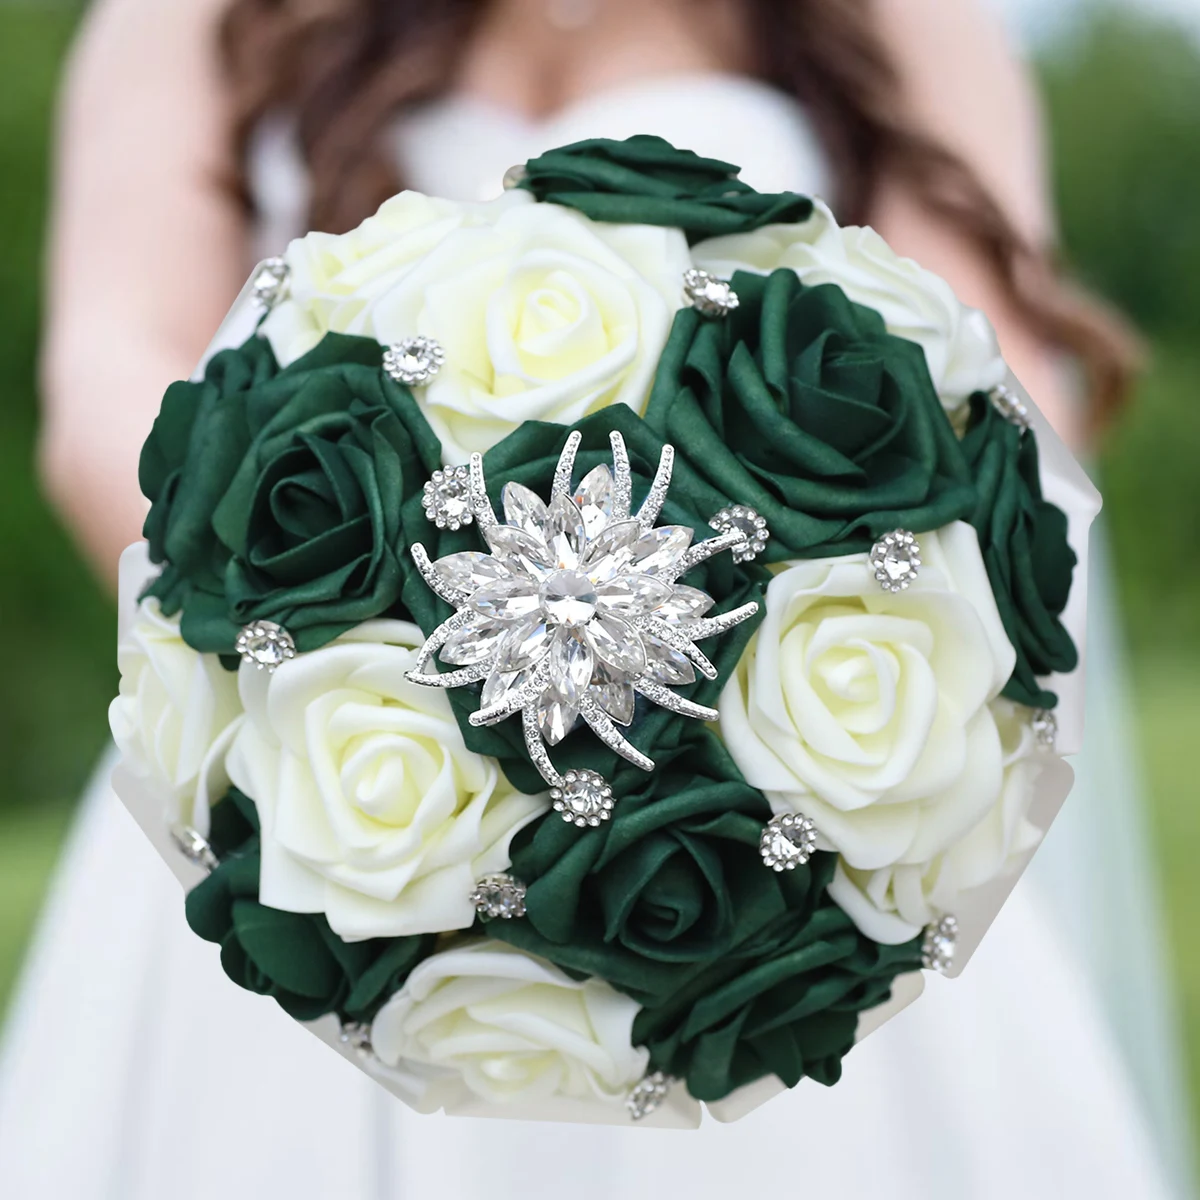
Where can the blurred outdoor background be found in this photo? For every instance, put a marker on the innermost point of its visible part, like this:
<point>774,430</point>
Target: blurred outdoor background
<point>1122,88</point>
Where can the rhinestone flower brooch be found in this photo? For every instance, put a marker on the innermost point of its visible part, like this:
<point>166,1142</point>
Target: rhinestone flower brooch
<point>575,611</point>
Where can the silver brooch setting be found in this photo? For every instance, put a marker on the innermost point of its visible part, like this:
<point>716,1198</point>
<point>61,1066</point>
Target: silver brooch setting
<point>414,361</point>
<point>1011,407</point>
<point>896,558</point>
<point>941,941</point>
<point>1045,728</point>
<point>194,846</point>
<point>265,645</point>
<point>788,841</point>
<point>575,609</point>
<point>583,799</point>
<point>709,295</point>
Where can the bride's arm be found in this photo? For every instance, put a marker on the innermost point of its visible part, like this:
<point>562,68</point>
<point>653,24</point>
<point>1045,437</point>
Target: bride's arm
<point>147,250</point>
<point>965,88</point>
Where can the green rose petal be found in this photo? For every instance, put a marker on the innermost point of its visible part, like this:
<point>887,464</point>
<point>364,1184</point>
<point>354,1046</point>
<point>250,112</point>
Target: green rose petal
<point>802,406</point>
<point>645,180</point>
<point>290,496</point>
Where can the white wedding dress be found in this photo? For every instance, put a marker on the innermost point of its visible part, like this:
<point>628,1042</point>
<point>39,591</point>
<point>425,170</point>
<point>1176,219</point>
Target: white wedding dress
<point>134,1070</point>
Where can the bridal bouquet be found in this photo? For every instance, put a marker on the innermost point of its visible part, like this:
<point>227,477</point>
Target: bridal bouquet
<point>603,643</point>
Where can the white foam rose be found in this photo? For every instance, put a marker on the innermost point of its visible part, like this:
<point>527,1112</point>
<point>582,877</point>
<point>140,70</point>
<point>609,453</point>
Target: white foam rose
<point>373,810</point>
<point>335,279</point>
<point>868,710</point>
<point>543,314</point>
<point>959,342</point>
<point>174,715</point>
<point>491,1021</point>
<point>893,905</point>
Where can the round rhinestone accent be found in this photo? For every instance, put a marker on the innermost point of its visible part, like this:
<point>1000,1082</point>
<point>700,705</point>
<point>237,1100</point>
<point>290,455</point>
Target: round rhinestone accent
<point>1011,407</point>
<point>447,499</point>
<point>269,282</point>
<point>414,361</point>
<point>941,940</point>
<point>788,841</point>
<point>583,799</point>
<point>357,1036</point>
<point>896,558</point>
<point>499,896</point>
<point>194,846</point>
<point>710,296</point>
<point>648,1095</point>
<point>1045,728</point>
<point>745,520</point>
<point>265,645</point>
<point>514,176</point>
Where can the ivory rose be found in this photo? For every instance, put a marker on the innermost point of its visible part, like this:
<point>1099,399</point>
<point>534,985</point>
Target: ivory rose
<point>868,710</point>
<point>373,811</point>
<point>542,314</point>
<point>174,713</point>
<point>489,1020</point>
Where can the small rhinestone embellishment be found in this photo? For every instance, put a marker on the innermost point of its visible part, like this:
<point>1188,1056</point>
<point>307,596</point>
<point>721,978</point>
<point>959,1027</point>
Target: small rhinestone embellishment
<point>583,799</point>
<point>514,176</point>
<point>648,1095</point>
<point>788,841</point>
<point>447,499</point>
<point>896,558</point>
<point>710,296</point>
<point>357,1036</point>
<point>499,896</point>
<point>414,361</point>
<point>265,645</point>
<point>747,521</point>
<point>1011,407</point>
<point>194,847</point>
<point>941,940</point>
<point>1045,728</point>
<point>270,282</point>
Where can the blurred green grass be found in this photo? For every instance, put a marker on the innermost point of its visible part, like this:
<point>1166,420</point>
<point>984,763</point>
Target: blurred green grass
<point>1123,100</point>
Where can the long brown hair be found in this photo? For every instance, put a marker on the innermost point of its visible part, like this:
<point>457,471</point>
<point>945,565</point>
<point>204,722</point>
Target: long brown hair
<point>344,68</point>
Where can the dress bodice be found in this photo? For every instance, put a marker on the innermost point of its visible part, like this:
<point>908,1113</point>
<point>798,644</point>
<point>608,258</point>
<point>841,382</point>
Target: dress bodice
<point>459,146</point>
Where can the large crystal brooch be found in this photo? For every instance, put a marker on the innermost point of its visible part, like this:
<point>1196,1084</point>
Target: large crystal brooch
<point>576,609</point>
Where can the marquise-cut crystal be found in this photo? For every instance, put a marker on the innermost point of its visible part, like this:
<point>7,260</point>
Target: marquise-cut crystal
<point>565,533</point>
<point>658,549</point>
<point>896,558</point>
<point>525,644</point>
<point>506,599</point>
<point>500,684</point>
<point>475,642</point>
<point>571,666</point>
<point>635,595</point>
<point>524,509</point>
<point>469,570</point>
<point>666,665</point>
<point>686,604</point>
<point>617,699</point>
<point>556,714</point>
<point>616,644</point>
<point>520,551</point>
<point>594,498</point>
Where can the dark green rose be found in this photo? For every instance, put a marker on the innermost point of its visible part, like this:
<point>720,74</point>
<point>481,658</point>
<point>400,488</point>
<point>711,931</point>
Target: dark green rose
<point>791,1012</point>
<point>294,957</point>
<point>801,405</point>
<point>645,180</point>
<point>285,495</point>
<point>675,877</point>
<point>1024,542</point>
<point>528,456</point>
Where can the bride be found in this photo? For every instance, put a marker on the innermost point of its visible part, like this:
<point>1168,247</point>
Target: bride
<point>200,134</point>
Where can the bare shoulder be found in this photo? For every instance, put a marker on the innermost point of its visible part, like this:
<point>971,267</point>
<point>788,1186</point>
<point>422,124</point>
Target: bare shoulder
<point>965,85</point>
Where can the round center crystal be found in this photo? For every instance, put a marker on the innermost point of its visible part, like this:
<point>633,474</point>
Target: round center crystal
<point>569,598</point>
